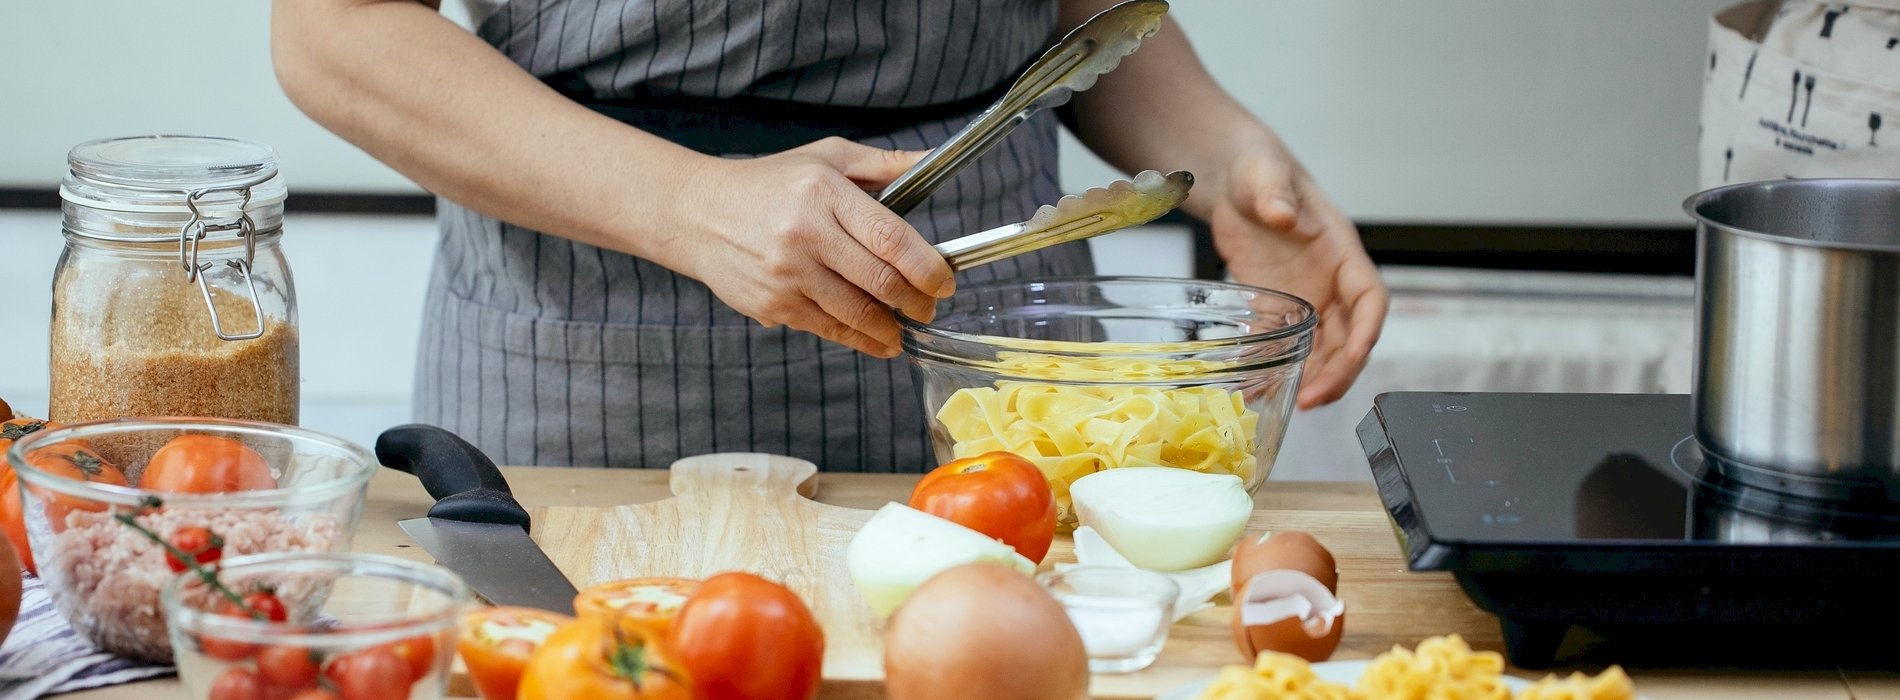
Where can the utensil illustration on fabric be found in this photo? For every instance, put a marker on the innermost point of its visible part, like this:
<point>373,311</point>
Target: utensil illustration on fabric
<point>1810,103</point>
<point>1728,160</point>
<point>1873,129</point>
<point>1827,21</point>
<point>1794,97</point>
<point>1747,73</point>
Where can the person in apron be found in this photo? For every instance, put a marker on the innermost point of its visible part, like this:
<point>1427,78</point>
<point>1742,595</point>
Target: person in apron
<point>610,296</point>
<point>1801,89</point>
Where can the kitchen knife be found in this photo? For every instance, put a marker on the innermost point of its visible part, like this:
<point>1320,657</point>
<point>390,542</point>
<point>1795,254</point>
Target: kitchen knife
<point>475,527</point>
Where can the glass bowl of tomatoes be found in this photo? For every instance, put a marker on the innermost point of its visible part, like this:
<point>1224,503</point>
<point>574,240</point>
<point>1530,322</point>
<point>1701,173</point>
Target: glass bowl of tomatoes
<point>113,509</point>
<point>325,625</point>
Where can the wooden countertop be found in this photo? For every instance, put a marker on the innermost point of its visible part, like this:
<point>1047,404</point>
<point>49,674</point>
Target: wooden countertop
<point>1389,605</point>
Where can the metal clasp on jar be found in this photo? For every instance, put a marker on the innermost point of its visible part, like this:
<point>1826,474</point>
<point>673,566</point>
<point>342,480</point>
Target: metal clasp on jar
<point>195,230</point>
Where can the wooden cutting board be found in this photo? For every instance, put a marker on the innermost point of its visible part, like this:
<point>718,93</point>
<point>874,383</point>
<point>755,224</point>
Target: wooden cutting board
<point>753,512</point>
<point>732,512</point>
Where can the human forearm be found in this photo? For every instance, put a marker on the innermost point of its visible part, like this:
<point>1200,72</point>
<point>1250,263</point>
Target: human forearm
<point>440,106</point>
<point>788,239</point>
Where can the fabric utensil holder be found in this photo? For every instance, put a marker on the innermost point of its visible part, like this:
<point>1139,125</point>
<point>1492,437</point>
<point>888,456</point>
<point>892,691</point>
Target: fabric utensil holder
<point>1801,89</point>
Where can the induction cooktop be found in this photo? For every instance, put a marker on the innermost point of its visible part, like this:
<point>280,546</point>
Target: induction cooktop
<point>1594,529</point>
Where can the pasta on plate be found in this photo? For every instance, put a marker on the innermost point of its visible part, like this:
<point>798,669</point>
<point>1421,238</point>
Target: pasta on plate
<point>1073,430</point>
<point>1440,668</point>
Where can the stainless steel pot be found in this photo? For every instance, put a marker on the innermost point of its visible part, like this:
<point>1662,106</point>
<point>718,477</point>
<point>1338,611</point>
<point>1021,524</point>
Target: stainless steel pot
<point>1797,381</point>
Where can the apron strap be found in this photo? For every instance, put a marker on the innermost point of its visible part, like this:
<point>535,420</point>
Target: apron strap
<point>757,125</point>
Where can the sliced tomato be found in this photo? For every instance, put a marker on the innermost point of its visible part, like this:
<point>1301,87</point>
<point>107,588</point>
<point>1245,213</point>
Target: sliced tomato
<point>651,601</point>
<point>496,644</point>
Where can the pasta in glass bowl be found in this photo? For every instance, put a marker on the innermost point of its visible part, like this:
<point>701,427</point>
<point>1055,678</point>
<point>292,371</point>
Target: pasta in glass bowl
<point>1084,374</point>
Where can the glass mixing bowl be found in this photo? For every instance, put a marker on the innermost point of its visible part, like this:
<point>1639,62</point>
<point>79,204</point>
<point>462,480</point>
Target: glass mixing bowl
<point>78,484</point>
<point>349,617</point>
<point>1090,373</point>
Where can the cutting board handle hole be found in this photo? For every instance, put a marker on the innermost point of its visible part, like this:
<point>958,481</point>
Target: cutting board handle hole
<point>742,469</point>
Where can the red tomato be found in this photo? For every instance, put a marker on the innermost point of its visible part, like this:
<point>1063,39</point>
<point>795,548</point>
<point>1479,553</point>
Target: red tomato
<point>206,464</point>
<point>10,585</point>
<point>266,604</point>
<point>315,694</point>
<point>259,604</point>
<point>199,542</point>
<point>226,649</point>
<point>371,674</point>
<point>237,684</point>
<point>12,520</point>
<point>998,494</point>
<point>597,658</point>
<point>77,461</point>
<point>742,637</point>
<point>418,652</point>
<point>293,668</point>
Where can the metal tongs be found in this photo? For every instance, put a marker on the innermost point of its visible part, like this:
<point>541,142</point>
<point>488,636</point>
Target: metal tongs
<point>1121,204</point>
<point>1072,65</point>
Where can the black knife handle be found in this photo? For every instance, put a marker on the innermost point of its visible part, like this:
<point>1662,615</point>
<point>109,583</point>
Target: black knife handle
<point>466,486</point>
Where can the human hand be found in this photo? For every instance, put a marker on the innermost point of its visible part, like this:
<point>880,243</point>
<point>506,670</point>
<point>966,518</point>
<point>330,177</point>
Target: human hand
<point>795,239</point>
<point>1276,229</point>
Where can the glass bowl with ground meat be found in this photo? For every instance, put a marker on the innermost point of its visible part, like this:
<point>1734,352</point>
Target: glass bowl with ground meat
<point>115,509</point>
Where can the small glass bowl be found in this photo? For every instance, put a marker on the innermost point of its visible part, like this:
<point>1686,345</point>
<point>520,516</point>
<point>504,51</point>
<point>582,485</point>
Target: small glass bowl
<point>1084,374</point>
<point>1123,614</point>
<point>105,577</point>
<point>343,609</point>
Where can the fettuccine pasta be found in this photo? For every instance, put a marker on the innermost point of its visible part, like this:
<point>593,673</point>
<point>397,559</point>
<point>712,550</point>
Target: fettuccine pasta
<point>1441,668</point>
<point>1276,676</point>
<point>1611,684</point>
<point>1072,431</point>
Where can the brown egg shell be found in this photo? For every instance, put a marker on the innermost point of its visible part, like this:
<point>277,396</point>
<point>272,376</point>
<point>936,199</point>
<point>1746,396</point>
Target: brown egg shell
<point>1287,636</point>
<point>1287,549</point>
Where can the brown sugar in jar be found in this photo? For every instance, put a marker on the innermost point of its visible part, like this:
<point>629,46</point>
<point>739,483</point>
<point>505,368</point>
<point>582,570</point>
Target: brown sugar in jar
<point>173,297</point>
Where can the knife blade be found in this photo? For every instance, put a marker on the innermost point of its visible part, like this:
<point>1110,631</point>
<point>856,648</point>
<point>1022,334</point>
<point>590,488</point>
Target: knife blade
<point>476,528</point>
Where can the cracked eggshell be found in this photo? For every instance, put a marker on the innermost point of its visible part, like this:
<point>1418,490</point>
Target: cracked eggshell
<point>1289,612</point>
<point>1288,549</point>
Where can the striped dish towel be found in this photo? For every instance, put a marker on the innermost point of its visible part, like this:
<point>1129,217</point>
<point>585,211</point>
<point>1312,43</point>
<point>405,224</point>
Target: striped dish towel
<point>44,656</point>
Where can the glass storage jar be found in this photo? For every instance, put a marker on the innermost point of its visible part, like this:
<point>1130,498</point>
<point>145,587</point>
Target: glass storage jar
<point>172,297</point>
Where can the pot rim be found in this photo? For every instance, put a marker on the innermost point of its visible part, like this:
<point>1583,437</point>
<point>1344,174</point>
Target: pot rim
<point>1694,202</point>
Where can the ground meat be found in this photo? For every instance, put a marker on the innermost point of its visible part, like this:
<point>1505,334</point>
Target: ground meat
<point>105,576</point>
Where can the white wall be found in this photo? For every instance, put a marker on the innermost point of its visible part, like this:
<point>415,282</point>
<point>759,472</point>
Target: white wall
<point>1555,111</point>
<point>1450,110</point>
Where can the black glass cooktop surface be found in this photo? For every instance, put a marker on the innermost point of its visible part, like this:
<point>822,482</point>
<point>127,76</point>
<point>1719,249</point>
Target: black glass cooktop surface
<point>1598,510</point>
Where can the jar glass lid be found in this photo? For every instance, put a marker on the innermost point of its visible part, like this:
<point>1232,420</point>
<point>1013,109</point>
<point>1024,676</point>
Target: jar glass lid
<point>156,173</point>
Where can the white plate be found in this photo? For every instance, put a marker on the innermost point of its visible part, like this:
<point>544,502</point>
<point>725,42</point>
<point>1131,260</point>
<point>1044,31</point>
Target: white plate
<point>1345,673</point>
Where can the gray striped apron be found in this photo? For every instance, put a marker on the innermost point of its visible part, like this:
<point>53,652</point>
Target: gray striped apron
<point>543,351</point>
